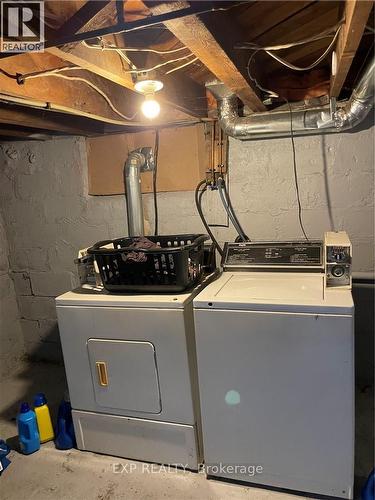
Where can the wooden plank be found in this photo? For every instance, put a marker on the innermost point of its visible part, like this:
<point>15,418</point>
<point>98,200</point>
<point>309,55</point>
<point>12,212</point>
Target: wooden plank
<point>308,22</point>
<point>313,19</point>
<point>57,13</point>
<point>183,160</point>
<point>356,15</point>
<point>109,65</point>
<point>81,17</point>
<point>193,33</point>
<point>105,64</point>
<point>64,95</point>
<point>22,134</point>
<point>300,56</point>
<point>260,17</point>
<point>47,120</point>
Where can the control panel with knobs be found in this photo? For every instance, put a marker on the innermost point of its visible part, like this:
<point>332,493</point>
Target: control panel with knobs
<point>338,259</point>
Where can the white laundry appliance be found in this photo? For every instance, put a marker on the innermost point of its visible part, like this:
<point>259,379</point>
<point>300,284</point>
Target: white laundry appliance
<point>131,370</point>
<point>275,349</point>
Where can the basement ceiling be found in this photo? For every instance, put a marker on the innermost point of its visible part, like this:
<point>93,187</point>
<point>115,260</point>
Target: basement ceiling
<point>103,45</point>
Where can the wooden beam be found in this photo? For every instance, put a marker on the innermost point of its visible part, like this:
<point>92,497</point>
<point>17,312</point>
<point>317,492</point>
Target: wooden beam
<point>180,92</point>
<point>9,133</point>
<point>194,34</point>
<point>48,121</point>
<point>259,17</point>
<point>81,17</point>
<point>109,65</point>
<point>356,15</point>
<point>64,95</point>
<point>105,64</point>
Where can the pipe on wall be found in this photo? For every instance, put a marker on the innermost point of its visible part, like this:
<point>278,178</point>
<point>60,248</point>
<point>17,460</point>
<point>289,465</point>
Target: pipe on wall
<point>306,121</point>
<point>139,160</point>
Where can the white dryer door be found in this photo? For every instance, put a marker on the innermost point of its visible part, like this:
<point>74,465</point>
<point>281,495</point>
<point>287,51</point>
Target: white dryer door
<point>124,374</point>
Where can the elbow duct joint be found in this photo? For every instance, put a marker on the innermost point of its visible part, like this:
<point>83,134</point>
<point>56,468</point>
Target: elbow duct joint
<point>306,121</point>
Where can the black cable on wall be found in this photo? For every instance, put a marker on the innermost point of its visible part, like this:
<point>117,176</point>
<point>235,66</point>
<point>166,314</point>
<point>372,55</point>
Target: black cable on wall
<point>154,180</point>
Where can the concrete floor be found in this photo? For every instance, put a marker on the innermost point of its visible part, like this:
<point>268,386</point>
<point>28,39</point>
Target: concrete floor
<point>76,475</point>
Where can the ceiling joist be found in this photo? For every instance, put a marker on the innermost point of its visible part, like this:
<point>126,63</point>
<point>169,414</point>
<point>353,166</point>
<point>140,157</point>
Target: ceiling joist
<point>210,34</point>
<point>68,96</point>
<point>356,14</point>
<point>47,121</point>
<point>88,13</point>
<point>194,34</point>
<point>180,93</point>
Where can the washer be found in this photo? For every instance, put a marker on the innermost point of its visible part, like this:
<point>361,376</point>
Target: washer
<point>275,350</point>
<point>131,370</point>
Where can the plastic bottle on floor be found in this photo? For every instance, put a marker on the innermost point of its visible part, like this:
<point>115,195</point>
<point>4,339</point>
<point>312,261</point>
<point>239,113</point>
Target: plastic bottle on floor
<point>65,438</point>
<point>43,418</point>
<point>27,430</point>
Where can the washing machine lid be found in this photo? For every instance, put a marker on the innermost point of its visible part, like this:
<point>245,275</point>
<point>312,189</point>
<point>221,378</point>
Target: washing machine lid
<point>274,291</point>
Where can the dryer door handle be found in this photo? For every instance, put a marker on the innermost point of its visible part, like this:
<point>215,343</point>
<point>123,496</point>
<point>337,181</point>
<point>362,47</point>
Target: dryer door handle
<point>101,367</point>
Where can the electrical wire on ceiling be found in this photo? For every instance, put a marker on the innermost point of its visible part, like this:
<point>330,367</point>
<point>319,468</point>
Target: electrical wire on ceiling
<point>37,74</point>
<point>269,50</point>
<point>313,64</point>
<point>328,33</point>
<point>27,76</point>
<point>47,105</point>
<point>57,74</point>
<point>160,65</point>
<point>269,92</point>
<point>182,66</point>
<point>122,53</point>
<point>133,49</point>
<point>126,59</point>
<point>9,75</point>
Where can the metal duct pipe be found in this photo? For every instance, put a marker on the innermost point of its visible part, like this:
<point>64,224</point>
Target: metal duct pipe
<point>139,160</point>
<point>316,120</point>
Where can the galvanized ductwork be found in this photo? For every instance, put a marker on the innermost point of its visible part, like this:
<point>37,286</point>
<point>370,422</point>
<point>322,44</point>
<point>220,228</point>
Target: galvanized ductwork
<point>306,121</point>
<point>139,160</point>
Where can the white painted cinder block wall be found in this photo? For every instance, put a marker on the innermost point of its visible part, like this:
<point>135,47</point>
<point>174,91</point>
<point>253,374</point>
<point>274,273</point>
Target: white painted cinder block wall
<point>11,338</point>
<point>49,216</point>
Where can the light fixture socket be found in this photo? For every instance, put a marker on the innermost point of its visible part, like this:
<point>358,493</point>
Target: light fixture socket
<point>146,85</point>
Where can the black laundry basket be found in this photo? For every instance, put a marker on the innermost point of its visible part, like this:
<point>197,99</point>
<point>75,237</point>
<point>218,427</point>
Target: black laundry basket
<point>173,267</point>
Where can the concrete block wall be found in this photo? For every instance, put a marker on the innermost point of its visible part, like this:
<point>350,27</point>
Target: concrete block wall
<point>49,215</point>
<point>11,340</point>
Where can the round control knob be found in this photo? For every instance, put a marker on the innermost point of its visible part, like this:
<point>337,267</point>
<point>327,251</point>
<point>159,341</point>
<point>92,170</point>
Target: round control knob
<point>338,271</point>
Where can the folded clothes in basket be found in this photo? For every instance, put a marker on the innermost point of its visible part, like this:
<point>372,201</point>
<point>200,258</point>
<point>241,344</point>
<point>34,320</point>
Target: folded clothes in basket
<point>144,244</point>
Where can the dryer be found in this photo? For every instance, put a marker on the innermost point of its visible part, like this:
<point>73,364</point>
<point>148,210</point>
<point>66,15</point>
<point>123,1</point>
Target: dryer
<point>131,370</point>
<point>275,349</point>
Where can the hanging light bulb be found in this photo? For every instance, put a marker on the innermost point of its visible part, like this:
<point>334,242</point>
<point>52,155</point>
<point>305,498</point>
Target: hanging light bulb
<point>150,107</point>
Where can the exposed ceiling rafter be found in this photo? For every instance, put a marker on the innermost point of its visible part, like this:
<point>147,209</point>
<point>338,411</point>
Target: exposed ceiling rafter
<point>195,35</point>
<point>47,121</point>
<point>180,92</point>
<point>356,14</point>
<point>67,96</point>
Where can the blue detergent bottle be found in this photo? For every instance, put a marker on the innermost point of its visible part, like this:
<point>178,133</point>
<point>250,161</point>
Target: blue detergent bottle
<point>368,491</point>
<point>65,437</point>
<point>27,430</point>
